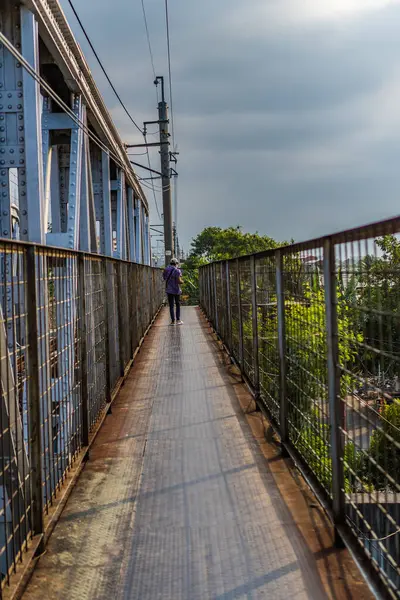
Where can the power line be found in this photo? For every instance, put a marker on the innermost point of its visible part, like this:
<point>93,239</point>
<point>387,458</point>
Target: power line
<point>169,73</point>
<point>154,192</point>
<point>148,39</point>
<point>102,67</point>
<point>111,84</point>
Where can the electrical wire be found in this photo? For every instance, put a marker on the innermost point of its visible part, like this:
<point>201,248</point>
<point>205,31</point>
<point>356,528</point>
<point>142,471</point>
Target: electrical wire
<point>148,39</point>
<point>113,87</point>
<point>102,67</point>
<point>169,72</point>
<point>154,192</point>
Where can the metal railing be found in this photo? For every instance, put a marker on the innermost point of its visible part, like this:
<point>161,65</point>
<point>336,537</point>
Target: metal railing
<point>315,329</point>
<point>70,324</point>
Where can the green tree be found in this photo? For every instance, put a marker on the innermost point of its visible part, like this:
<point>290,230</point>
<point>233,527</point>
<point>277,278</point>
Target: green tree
<point>381,466</point>
<point>216,243</point>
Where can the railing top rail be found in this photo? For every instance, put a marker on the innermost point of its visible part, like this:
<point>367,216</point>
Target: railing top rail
<point>59,250</point>
<point>364,232</point>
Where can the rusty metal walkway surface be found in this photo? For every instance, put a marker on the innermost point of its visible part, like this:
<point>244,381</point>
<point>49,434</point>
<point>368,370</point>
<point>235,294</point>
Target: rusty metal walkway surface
<point>178,501</point>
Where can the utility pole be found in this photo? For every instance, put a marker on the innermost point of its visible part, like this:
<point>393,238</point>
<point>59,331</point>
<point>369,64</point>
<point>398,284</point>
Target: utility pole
<point>166,173</point>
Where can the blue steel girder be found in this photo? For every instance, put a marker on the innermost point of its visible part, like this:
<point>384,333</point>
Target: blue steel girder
<point>131,223</point>
<point>121,238</point>
<point>20,132</point>
<point>65,179</point>
<point>87,229</point>
<point>138,231</point>
<point>100,169</point>
<point>56,176</point>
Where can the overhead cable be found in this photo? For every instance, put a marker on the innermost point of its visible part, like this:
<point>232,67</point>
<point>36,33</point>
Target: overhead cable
<point>102,67</point>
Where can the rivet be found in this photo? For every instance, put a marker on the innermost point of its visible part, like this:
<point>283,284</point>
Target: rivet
<point>19,106</point>
<point>20,117</point>
<point>5,213</point>
<point>21,139</point>
<point>9,106</point>
<point>24,212</point>
<point>9,95</point>
<point>20,128</point>
<point>12,151</point>
<point>5,232</point>
<point>21,162</point>
<point>21,150</point>
<point>12,162</point>
<point>25,231</point>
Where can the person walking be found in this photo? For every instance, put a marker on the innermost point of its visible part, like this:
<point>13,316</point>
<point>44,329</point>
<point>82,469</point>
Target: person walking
<point>173,278</point>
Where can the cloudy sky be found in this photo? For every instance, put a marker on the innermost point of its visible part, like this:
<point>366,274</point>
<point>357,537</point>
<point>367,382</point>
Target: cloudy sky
<point>287,112</point>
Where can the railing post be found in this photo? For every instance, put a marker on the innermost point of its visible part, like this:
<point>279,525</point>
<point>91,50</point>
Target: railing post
<point>240,319</point>
<point>280,295</point>
<point>106,290</point>
<point>214,277</point>
<point>121,325</point>
<point>254,312</point>
<point>228,307</point>
<point>83,346</point>
<point>223,302</point>
<point>335,413</point>
<point>35,436</point>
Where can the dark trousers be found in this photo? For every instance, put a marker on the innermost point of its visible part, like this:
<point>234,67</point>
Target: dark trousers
<point>177,299</point>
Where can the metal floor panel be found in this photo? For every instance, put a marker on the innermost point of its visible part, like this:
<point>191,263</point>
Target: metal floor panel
<point>177,501</point>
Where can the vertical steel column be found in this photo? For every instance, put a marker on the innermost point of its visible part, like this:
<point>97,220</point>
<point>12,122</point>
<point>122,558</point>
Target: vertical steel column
<point>29,134</point>
<point>106,285</point>
<point>280,295</point>
<point>228,307</point>
<point>35,437</point>
<point>223,302</point>
<point>121,325</point>
<point>83,353</point>
<point>336,415</point>
<point>254,312</point>
<point>240,317</point>
<point>214,276</point>
<point>131,224</point>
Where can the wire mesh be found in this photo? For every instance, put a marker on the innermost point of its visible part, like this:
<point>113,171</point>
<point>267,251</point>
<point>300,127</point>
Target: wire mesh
<point>235,309</point>
<point>96,346</point>
<point>268,351</point>
<point>15,500</point>
<point>247,318</point>
<point>52,362</point>
<point>368,292</point>
<point>328,361</point>
<point>306,360</point>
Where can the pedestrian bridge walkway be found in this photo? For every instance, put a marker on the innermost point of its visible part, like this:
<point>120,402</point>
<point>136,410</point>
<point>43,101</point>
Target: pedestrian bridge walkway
<point>185,496</point>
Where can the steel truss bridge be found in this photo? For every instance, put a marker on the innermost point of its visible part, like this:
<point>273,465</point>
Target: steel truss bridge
<point>74,263</point>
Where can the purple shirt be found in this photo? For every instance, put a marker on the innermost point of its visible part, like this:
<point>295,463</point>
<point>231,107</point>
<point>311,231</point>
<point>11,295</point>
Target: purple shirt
<point>172,275</point>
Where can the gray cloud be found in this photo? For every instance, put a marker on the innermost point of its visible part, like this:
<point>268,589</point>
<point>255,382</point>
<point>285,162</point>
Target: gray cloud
<point>287,123</point>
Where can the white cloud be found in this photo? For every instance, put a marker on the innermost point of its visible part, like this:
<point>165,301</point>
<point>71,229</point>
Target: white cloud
<point>263,16</point>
